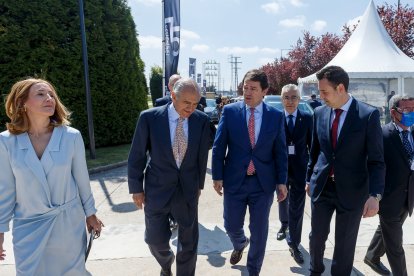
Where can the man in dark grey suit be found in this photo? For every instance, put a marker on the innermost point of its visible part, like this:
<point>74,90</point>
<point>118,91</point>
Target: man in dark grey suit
<point>398,200</point>
<point>298,129</point>
<point>346,170</point>
<point>175,138</point>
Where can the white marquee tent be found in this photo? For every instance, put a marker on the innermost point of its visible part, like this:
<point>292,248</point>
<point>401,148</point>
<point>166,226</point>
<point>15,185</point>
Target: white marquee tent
<point>374,63</point>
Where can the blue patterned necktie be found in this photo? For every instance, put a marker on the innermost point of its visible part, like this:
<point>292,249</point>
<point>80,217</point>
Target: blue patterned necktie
<point>406,143</point>
<point>290,124</point>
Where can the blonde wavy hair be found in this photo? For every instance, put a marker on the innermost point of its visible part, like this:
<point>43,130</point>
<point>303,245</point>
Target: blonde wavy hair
<point>19,121</point>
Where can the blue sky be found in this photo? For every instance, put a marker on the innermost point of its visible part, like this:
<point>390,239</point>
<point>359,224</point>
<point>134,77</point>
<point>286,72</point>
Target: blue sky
<point>257,31</point>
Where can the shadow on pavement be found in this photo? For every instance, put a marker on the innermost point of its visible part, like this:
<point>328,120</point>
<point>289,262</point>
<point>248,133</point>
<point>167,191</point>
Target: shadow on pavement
<point>242,268</point>
<point>124,207</point>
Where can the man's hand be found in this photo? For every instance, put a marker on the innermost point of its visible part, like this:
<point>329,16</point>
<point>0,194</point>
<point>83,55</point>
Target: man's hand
<point>371,207</point>
<point>307,188</point>
<point>281,192</point>
<point>139,200</point>
<point>218,186</point>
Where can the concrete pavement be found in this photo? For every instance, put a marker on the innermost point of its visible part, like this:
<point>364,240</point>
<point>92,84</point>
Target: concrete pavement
<point>121,249</point>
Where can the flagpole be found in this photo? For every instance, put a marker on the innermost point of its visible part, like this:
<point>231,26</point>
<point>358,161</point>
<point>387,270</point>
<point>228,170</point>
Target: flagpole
<point>163,49</point>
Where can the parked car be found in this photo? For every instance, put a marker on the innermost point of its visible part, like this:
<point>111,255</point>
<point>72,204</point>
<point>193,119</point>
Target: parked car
<point>211,110</point>
<point>276,102</point>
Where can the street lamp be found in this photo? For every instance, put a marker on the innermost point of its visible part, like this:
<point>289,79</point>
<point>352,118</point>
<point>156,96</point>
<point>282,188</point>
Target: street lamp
<point>87,84</point>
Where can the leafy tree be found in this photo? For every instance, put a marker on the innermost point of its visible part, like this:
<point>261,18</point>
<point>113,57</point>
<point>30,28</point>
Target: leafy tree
<point>311,53</point>
<point>156,83</point>
<point>400,25</point>
<point>41,38</point>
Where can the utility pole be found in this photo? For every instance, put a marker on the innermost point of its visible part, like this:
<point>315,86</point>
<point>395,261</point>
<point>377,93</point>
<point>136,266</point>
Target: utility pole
<point>234,71</point>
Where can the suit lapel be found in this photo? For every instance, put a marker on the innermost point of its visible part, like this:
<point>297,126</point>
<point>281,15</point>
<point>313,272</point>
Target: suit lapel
<point>298,124</point>
<point>191,141</point>
<point>243,120</point>
<point>33,163</point>
<point>326,121</point>
<point>53,146</point>
<point>265,121</point>
<point>396,140</point>
<point>349,120</point>
<point>163,127</point>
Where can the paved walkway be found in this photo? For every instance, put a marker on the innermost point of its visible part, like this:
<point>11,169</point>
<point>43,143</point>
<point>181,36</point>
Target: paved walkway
<point>121,249</point>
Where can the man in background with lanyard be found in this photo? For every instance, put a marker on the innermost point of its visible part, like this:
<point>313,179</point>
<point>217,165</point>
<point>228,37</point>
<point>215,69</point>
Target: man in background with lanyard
<point>398,200</point>
<point>298,129</point>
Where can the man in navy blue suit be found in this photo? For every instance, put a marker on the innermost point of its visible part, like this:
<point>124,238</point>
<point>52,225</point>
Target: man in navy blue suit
<point>346,170</point>
<point>175,138</point>
<point>298,128</point>
<point>249,164</point>
<point>398,201</point>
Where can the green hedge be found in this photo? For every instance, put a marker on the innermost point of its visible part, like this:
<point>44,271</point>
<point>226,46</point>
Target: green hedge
<point>42,38</point>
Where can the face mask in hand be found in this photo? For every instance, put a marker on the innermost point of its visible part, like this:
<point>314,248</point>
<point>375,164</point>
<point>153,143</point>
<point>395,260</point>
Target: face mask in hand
<point>407,119</point>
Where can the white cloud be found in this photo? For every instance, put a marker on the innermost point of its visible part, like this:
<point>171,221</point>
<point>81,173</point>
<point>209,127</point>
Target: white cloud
<point>319,25</point>
<point>272,7</point>
<point>147,2</point>
<point>150,42</point>
<point>297,21</point>
<point>238,50</point>
<point>186,34</point>
<point>269,50</point>
<point>265,60</point>
<point>247,50</point>
<point>200,48</point>
<point>297,3</point>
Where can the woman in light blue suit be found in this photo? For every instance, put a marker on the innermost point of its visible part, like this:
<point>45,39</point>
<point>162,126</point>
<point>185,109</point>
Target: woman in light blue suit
<point>44,184</point>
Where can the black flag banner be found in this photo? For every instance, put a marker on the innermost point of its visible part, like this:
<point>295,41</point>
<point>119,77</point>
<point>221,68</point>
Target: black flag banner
<point>192,68</point>
<point>171,37</point>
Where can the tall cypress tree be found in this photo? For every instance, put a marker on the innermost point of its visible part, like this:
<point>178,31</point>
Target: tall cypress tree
<point>156,83</point>
<point>41,38</point>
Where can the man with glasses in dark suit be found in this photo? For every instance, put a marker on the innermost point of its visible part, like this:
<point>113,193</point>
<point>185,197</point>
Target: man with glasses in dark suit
<point>298,129</point>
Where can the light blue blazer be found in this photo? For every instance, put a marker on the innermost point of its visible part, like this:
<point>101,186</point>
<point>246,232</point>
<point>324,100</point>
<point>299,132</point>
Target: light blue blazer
<point>48,200</point>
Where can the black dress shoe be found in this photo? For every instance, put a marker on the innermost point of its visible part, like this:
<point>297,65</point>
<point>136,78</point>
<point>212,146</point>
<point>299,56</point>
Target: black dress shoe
<point>296,254</point>
<point>378,267</point>
<point>236,255</point>
<point>281,235</point>
<point>166,272</point>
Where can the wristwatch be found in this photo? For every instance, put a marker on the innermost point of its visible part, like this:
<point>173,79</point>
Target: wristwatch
<point>377,196</point>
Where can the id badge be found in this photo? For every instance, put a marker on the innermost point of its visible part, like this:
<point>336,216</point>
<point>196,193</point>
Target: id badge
<point>291,149</point>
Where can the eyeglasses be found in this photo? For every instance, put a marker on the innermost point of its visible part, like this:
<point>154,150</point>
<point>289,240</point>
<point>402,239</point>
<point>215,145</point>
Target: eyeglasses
<point>293,98</point>
<point>405,109</point>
